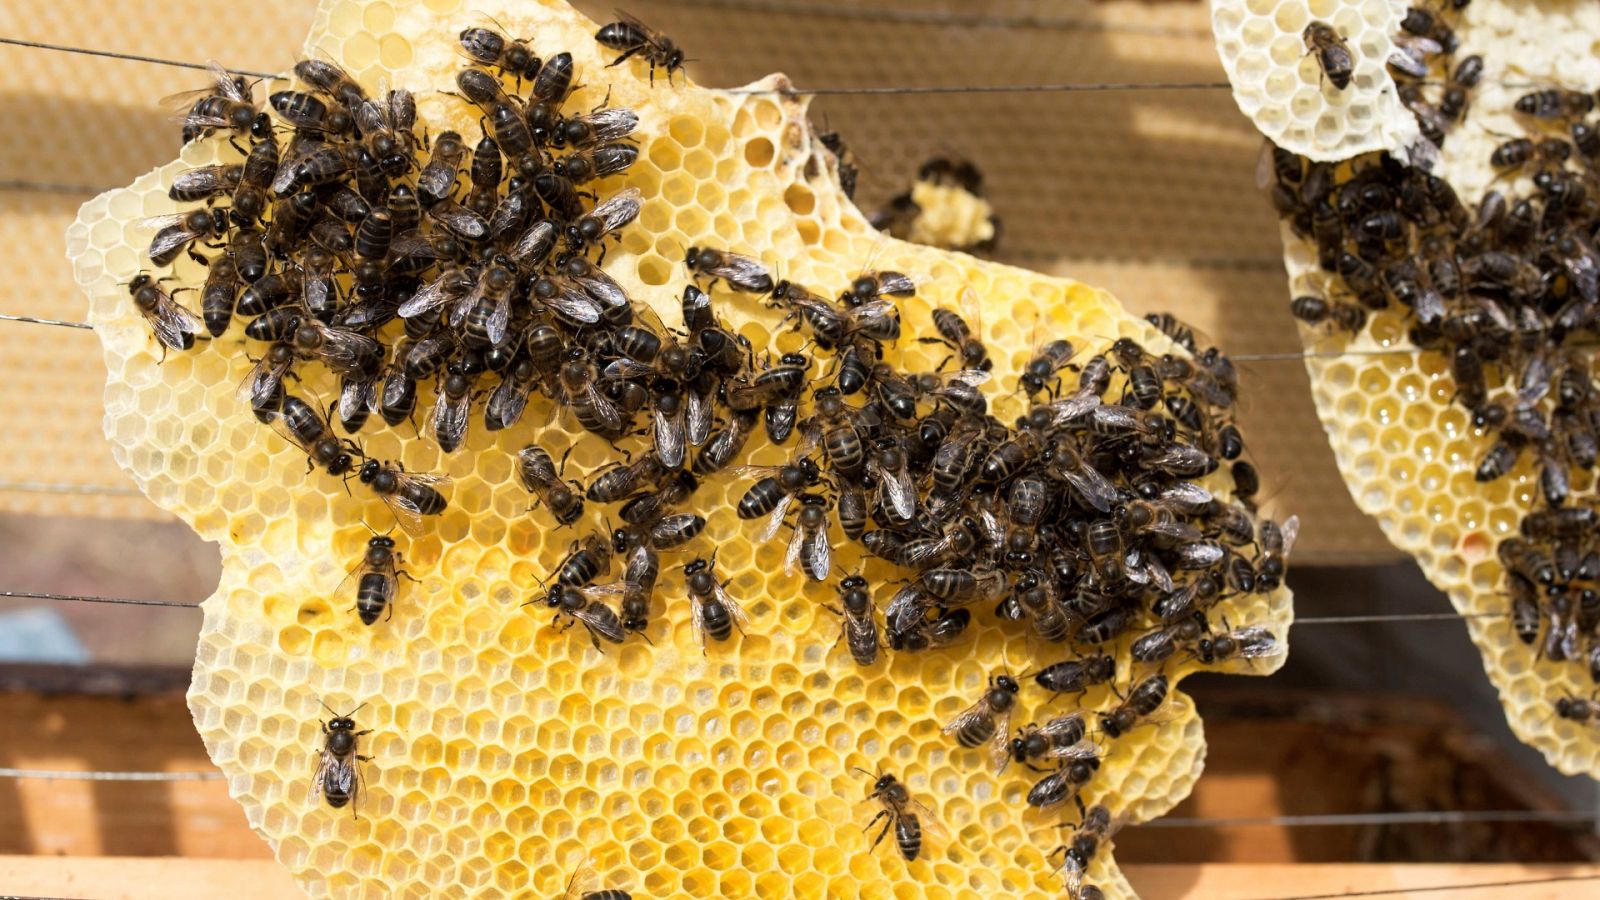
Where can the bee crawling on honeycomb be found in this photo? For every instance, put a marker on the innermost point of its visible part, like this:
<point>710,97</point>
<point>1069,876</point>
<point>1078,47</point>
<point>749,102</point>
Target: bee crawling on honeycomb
<point>505,320</point>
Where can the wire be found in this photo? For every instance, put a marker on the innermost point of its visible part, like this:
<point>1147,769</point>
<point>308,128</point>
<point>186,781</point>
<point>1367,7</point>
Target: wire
<point>45,487</point>
<point>134,57</point>
<point>33,320</point>
<point>71,775</point>
<point>82,598</point>
<point>1429,817</point>
<point>45,187</point>
<point>1390,892</point>
<point>1396,617</point>
<point>936,17</point>
<point>1077,87</point>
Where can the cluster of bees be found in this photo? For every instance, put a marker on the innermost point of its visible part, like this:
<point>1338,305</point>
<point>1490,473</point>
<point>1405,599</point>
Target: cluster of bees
<point>389,260</point>
<point>1508,291</point>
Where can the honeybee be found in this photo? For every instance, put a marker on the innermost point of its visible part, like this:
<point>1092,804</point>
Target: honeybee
<point>1143,700</point>
<point>564,499</point>
<point>716,614</point>
<point>583,883</point>
<point>740,272</point>
<point>907,816</point>
<point>409,495</point>
<point>338,777</point>
<point>174,324</point>
<point>377,579</point>
<point>988,720</point>
<point>1056,739</point>
<point>860,631</point>
<point>633,37</point>
<point>1332,52</point>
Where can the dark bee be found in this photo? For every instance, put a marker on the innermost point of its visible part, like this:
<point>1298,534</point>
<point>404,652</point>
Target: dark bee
<point>1314,310</point>
<point>581,604</point>
<point>1056,739</point>
<point>1555,103</point>
<point>964,334</point>
<point>1576,709</point>
<point>1143,700</point>
<point>1040,370</point>
<point>1081,761</point>
<point>860,632</point>
<point>174,325</point>
<point>488,47</point>
<point>633,37</point>
<point>554,81</point>
<point>809,547</point>
<point>988,720</point>
<point>740,272</point>
<point>583,885</point>
<point>1161,643</point>
<point>1253,642</point>
<point>907,816</point>
<point>1332,52</point>
<point>587,164</point>
<point>228,104</point>
<point>178,232</point>
<point>607,216</point>
<point>205,182</point>
<point>306,428</point>
<point>377,578</point>
<point>725,443</point>
<point>338,777</point>
<point>716,614</point>
<point>538,472</point>
<point>846,160</point>
<point>409,495</point>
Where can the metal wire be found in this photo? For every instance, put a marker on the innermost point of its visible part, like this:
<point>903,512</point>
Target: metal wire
<point>46,487</point>
<point>1476,885</point>
<point>1070,88</point>
<point>34,320</point>
<point>1428,817</point>
<point>938,17</point>
<point>1397,617</point>
<point>45,187</point>
<point>96,775</point>
<point>134,57</point>
<point>83,598</point>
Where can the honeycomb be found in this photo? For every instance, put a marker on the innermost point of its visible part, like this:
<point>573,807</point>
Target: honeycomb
<point>1280,86</point>
<point>1407,452</point>
<point>506,752</point>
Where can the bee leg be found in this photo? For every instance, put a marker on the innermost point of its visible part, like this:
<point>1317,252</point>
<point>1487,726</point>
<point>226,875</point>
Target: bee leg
<point>624,57</point>
<point>594,638</point>
<point>886,826</point>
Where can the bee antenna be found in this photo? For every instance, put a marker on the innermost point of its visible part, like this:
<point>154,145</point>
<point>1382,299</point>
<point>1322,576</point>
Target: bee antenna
<point>853,768</point>
<point>327,707</point>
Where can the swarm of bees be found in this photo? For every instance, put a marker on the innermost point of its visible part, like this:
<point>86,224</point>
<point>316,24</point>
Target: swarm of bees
<point>1507,290</point>
<point>356,244</point>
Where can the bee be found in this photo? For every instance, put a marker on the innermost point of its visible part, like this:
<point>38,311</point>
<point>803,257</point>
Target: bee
<point>1041,370</point>
<point>872,284</point>
<point>958,538</point>
<point>554,81</point>
<point>1095,827</point>
<point>860,631</point>
<point>377,578</point>
<point>1555,104</point>
<point>906,815</point>
<point>772,495</point>
<point>338,777</point>
<point>301,424</point>
<point>205,182</point>
<point>809,546</point>
<point>988,720</point>
<point>587,164</point>
<point>1314,310</point>
<point>178,232</point>
<point>509,398</point>
<point>923,633</point>
<point>1086,481</point>
<point>618,481</point>
<point>488,47</point>
<point>580,392</point>
<point>1332,52</point>
<point>638,585</point>
<point>581,604</point>
<point>1276,543</point>
<point>1253,642</point>
<point>740,272</point>
<point>409,495</point>
<point>1040,604</point>
<point>174,324</point>
<point>716,614</point>
<point>229,103</point>
<point>1576,709</point>
<point>1080,762</point>
<point>1160,644</point>
<point>633,37</point>
<point>848,169</point>
<point>966,339</point>
<point>358,397</point>
<point>538,472</point>
<point>724,444</point>
<point>1056,739</point>
<point>598,127</point>
<point>1143,700</point>
<point>608,215</point>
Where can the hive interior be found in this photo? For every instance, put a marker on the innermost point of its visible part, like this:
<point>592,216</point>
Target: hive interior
<point>1408,451</point>
<point>505,752</point>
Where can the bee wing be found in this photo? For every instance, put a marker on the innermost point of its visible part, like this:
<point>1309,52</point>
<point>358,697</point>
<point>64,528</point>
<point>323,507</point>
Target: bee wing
<point>499,318</point>
<point>698,417</point>
<point>573,303</point>
<point>969,377</point>
<point>405,510</point>
<point>431,296</point>
<point>507,402</point>
<point>172,321</point>
<point>1069,408</point>
<point>932,828</point>
<point>601,621</point>
<point>769,530</point>
<point>601,287</point>
<point>450,419</point>
<point>741,269</point>
<point>460,220</point>
<point>1256,642</point>
<point>1291,531</point>
<point>467,301</point>
<point>532,249</point>
<point>1158,572</point>
<point>262,380</point>
<point>357,394</point>
<point>1071,723</point>
<point>791,557</point>
<point>229,85</point>
<point>1092,486</point>
<point>289,167</point>
<point>971,310</point>
<point>618,209</point>
<point>898,493</point>
<point>735,611</point>
<point>344,350</point>
<point>609,124</point>
<point>974,713</point>
<point>370,116</point>
<point>210,179</point>
<point>819,556</point>
<point>319,778</point>
<point>584,879</point>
